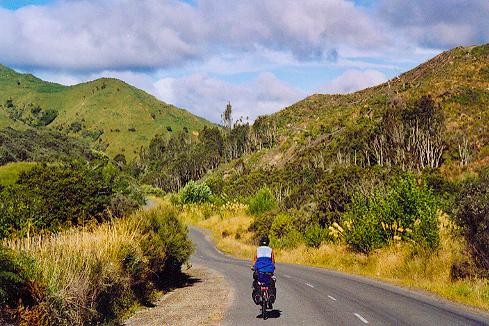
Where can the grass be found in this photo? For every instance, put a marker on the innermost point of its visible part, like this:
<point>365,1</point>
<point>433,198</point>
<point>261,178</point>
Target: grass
<point>9,173</point>
<point>400,264</point>
<point>108,265</point>
<point>105,105</point>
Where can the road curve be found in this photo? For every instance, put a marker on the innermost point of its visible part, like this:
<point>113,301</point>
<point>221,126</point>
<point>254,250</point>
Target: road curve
<point>314,296</point>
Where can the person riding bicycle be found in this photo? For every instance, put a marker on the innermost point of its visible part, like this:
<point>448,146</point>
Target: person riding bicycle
<point>264,267</point>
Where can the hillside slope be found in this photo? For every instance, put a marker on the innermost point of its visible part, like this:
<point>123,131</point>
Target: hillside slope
<point>456,80</point>
<point>434,116</point>
<point>112,115</point>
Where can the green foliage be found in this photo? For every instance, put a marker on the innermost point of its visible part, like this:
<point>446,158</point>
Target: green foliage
<point>9,173</point>
<point>40,146</point>
<point>216,184</point>
<point>471,213</point>
<point>195,193</point>
<point>55,196</point>
<point>166,242</point>
<point>15,272</point>
<point>152,191</point>
<point>405,211</point>
<point>283,233</point>
<point>262,224</point>
<point>178,158</point>
<point>263,201</point>
<point>47,117</point>
<point>314,235</point>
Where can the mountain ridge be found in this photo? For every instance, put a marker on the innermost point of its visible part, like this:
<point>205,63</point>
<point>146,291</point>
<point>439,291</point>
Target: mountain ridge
<point>113,115</point>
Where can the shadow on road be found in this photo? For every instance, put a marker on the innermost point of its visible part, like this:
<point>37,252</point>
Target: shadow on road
<point>272,314</point>
<point>178,280</point>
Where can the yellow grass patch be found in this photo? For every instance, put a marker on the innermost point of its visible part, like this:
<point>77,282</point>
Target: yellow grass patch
<point>400,263</point>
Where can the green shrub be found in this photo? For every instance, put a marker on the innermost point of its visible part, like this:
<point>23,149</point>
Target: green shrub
<point>53,197</point>
<point>15,273</point>
<point>283,234</point>
<point>166,245</point>
<point>121,205</point>
<point>216,184</point>
<point>195,193</point>
<point>261,225</point>
<point>314,235</point>
<point>152,191</point>
<point>262,202</point>
<point>405,211</point>
<point>472,215</point>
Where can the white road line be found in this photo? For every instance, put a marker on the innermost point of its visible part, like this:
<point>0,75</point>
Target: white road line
<point>361,318</point>
<point>287,276</point>
<point>332,298</point>
<point>219,251</point>
<point>310,285</point>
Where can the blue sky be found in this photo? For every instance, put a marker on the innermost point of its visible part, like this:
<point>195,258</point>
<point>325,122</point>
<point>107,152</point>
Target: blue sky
<point>16,4</point>
<point>261,55</point>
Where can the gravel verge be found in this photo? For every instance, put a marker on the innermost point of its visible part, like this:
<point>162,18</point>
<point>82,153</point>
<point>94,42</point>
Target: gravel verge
<point>202,301</point>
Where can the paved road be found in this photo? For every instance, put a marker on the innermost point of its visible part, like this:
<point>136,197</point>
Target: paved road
<point>314,296</point>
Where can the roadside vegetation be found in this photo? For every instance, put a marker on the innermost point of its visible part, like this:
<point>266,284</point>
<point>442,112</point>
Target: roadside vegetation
<point>425,248</point>
<point>49,198</point>
<point>91,276</point>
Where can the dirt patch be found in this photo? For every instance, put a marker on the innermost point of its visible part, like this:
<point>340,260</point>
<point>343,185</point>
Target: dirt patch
<point>202,301</point>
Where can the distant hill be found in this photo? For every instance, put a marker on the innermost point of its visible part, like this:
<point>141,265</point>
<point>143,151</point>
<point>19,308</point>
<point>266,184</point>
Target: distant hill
<point>113,116</point>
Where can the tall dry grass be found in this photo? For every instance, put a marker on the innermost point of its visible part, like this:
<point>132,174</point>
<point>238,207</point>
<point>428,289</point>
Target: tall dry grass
<point>402,263</point>
<point>74,264</point>
<point>97,275</point>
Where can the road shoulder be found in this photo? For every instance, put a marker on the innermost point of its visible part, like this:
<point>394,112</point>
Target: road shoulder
<point>203,301</point>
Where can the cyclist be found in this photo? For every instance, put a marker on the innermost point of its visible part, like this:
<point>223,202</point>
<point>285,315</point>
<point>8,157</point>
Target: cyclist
<point>264,267</point>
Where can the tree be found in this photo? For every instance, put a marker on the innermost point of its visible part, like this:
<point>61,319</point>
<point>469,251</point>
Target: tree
<point>227,119</point>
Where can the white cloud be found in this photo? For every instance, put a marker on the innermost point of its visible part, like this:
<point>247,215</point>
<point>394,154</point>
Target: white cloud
<point>354,80</point>
<point>109,34</point>
<point>309,28</point>
<point>438,24</point>
<point>96,35</point>
<point>207,97</point>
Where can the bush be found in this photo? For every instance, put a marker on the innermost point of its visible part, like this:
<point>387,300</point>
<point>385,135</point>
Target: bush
<point>166,241</point>
<point>262,202</point>
<point>105,272</point>
<point>283,234</point>
<point>152,191</point>
<point>121,205</point>
<point>13,279</point>
<point>472,215</point>
<point>194,193</point>
<point>216,184</point>
<point>405,212</point>
<point>262,224</point>
<point>314,235</point>
<point>53,197</point>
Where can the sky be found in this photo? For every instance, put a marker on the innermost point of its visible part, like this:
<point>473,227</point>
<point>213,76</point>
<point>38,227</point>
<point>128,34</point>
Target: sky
<point>260,55</point>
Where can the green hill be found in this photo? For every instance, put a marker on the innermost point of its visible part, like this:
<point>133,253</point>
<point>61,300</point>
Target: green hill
<point>432,118</point>
<point>112,115</point>
<point>456,80</point>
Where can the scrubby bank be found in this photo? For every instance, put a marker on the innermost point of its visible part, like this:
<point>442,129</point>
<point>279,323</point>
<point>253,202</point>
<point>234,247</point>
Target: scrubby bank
<point>400,260</point>
<point>53,197</point>
<point>91,277</point>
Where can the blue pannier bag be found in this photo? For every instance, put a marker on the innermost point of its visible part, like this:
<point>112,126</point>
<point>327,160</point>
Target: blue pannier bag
<point>264,265</point>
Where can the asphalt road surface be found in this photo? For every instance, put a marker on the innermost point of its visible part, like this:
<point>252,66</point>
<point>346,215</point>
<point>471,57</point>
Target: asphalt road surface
<point>314,296</point>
